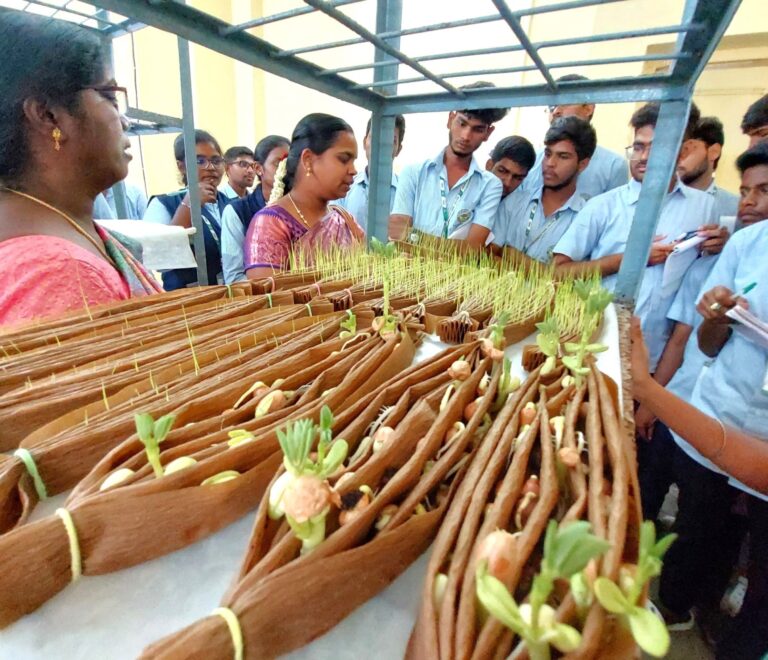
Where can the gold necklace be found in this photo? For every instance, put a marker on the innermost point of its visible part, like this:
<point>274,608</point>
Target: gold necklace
<point>97,244</point>
<point>301,215</point>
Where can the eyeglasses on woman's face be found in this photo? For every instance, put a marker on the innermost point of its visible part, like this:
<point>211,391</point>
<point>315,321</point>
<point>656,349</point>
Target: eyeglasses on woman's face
<point>205,163</point>
<point>115,94</point>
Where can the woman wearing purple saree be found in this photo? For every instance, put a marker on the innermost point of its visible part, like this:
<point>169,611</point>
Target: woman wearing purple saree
<point>319,167</point>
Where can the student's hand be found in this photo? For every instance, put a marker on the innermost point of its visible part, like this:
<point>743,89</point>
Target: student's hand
<point>207,192</point>
<point>639,359</point>
<point>716,236</point>
<point>716,302</point>
<point>645,421</point>
<point>659,251</point>
<point>399,226</point>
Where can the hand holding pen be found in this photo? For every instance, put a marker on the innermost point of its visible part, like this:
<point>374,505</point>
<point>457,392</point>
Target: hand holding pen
<point>717,301</point>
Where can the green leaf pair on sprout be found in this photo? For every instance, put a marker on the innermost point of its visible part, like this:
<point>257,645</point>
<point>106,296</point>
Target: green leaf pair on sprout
<point>152,433</point>
<point>386,250</point>
<point>348,326</point>
<point>302,493</point>
<point>621,599</point>
<point>595,300</point>
<point>548,341</point>
<point>567,551</point>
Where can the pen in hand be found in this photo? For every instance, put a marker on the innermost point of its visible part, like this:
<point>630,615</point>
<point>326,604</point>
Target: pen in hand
<point>716,306</point>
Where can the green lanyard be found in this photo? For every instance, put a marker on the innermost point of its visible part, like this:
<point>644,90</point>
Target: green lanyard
<point>444,203</point>
<point>545,229</point>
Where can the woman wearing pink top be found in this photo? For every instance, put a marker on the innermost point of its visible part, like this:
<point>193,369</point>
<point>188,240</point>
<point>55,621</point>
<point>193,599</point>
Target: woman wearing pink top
<point>62,141</point>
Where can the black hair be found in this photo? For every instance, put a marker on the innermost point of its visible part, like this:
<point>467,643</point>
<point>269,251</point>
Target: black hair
<point>710,131</point>
<point>648,115</point>
<point>756,115</point>
<point>233,153</point>
<point>517,149</point>
<point>200,138</point>
<point>399,125</point>
<point>578,132</point>
<point>266,145</point>
<point>571,77</point>
<point>316,132</point>
<point>44,59</point>
<point>488,116</point>
<point>752,157</point>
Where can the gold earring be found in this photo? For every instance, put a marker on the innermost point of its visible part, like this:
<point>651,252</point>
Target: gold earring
<point>309,172</point>
<point>56,135</point>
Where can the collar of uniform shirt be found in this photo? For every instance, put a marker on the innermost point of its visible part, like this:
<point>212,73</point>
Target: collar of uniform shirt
<point>437,161</point>
<point>634,187</point>
<point>575,202</point>
<point>362,178</point>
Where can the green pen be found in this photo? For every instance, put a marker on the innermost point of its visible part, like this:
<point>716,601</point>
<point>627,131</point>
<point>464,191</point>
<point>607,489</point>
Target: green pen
<point>716,306</point>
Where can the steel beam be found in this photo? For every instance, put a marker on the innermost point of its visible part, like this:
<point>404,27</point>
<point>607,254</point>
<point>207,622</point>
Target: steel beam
<point>514,24</point>
<point>667,137</point>
<point>202,28</point>
<point>389,14</point>
<point>532,67</point>
<point>380,43</point>
<point>190,159</point>
<point>154,118</point>
<point>617,90</point>
<point>714,16</point>
<point>554,43</point>
<point>541,9</point>
<point>281,16</point>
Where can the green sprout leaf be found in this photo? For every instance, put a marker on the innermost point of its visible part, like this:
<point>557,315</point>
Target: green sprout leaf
<point>497,600</point>
<point>145,426</point>
<point>350,323</point>
<point>335,457</point>
<point>162,427</point>
<point>151,434</point>
<point>649,632</point>
<point>575,547</point>
<point>563,637</point>
<point>660,549</point>
<point>611,597</point>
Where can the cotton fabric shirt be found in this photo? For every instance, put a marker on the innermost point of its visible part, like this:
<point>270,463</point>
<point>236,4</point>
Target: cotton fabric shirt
<point>602,228</point>
<point>156,212</point>
<point>229,191</point>
<point>105,208</point>
<point>356,199</point>
<point>726,203</point>
<point>418,196</point>
<point>232,239</point>
<point>731,388</point>
<point>683,310</point>
<point>606,170</point>
<point>45,275</point>
<point>515,213</point>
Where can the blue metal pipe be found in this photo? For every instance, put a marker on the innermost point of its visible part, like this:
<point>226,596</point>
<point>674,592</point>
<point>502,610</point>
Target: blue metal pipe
<point>281,16</point>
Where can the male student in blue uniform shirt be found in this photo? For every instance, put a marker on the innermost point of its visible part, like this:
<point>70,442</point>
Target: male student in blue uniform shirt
<point>532,220</point>
<point>733,389</point>
<point>755,122</point>
<point>598,235</point>
<point>607,169</point>
<point>511,160</point>
<point>699,157</point>
<point>669,459</point>
<point>450,190</point>
<point>356,199</point>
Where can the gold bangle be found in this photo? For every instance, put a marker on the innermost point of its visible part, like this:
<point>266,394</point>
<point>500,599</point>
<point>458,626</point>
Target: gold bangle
<point>725,439</point>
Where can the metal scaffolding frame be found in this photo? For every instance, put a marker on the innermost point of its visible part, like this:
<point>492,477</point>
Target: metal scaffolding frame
<point>701,26</point>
